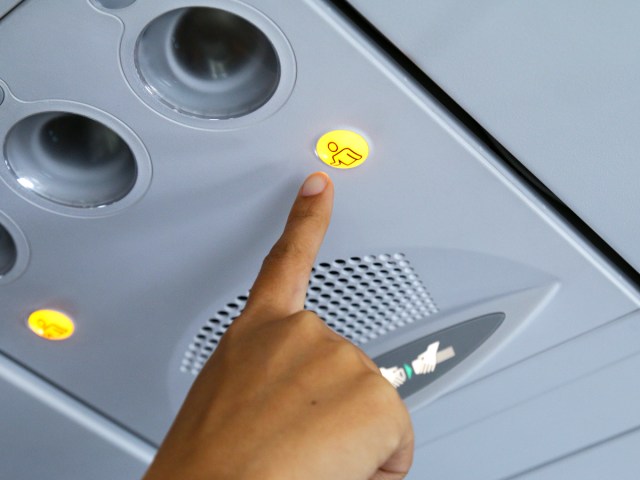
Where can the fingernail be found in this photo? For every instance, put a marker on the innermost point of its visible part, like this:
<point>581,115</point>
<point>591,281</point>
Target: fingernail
<point>314,185</point>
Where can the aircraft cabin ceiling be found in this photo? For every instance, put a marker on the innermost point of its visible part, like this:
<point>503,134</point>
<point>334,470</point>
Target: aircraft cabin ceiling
<point>488,222</point>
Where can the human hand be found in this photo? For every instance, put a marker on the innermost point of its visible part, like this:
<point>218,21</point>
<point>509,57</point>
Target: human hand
<point>427,360</point>
<point>283,396</point>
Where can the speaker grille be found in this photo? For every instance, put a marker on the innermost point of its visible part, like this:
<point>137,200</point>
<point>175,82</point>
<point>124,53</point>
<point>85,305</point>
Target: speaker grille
<point>361,298</point>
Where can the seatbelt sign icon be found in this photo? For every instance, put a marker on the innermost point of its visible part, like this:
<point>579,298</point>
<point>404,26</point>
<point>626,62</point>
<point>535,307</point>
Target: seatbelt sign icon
<point>423,364</point>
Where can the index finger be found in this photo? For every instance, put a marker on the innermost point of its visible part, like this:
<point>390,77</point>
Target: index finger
<point>281,286</point>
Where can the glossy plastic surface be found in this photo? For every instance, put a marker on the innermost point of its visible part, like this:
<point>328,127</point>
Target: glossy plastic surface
<point>207,62</point>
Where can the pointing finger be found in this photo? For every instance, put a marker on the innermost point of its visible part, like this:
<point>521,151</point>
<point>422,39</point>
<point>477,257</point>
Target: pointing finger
<point>281,286</point>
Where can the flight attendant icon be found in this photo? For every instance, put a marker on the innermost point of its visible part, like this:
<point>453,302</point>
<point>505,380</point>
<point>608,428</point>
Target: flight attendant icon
<point>346,156</point>
<point>342,149</point>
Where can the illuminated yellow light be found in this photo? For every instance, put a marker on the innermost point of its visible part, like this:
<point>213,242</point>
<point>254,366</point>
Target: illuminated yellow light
<point>51,324</point>
<point>342,149</point>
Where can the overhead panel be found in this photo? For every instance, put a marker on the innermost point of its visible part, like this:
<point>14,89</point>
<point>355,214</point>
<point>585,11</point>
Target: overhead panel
<point>554,82</point>
<point>564,413</point>
<point>7,5</point>
<point>154,261</point>
<point>615,458</point>
<point>49,434</point>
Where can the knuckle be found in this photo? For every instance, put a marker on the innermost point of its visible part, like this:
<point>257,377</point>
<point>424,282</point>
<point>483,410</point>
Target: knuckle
<point>301,330</point>
<point>232,333</point>
<point>287,250</point>
<point>232,339</point>
<point>348,356</point>
<point>383,396</point>
<point>306,325</point>
<point>307,215</point>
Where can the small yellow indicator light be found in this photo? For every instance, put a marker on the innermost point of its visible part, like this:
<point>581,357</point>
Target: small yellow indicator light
<point>51,324</point>
<point>342,149</point>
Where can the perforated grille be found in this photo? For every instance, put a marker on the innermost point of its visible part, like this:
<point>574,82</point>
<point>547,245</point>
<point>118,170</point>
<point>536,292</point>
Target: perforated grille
<point>361,298</point>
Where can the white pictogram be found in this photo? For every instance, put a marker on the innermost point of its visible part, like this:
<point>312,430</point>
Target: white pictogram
<point>395,375</point>
<point>424,364</point>
<point>445,354</point>
<point>426,361</point>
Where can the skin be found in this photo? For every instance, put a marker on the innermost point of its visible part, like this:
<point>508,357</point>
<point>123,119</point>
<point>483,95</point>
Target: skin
<point>283,396</point>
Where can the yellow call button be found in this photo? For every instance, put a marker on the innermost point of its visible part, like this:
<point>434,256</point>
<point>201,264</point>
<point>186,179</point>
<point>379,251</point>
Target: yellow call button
<point>51,324</point>
<point>342,149</point>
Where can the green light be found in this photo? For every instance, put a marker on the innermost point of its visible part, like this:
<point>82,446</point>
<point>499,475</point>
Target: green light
<point>409,371</point>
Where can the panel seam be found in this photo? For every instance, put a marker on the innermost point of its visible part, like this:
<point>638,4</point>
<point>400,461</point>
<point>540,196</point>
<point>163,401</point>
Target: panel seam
<point>503,155</point>
<point>44,390</point>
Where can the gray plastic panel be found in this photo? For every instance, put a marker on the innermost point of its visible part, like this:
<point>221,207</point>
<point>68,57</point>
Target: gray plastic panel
<point>555,82</point>
<point>47,434</point>
<point>616,458</point>
<point>5,7</point>
<point>141,278</point>
<point>552,405</point>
